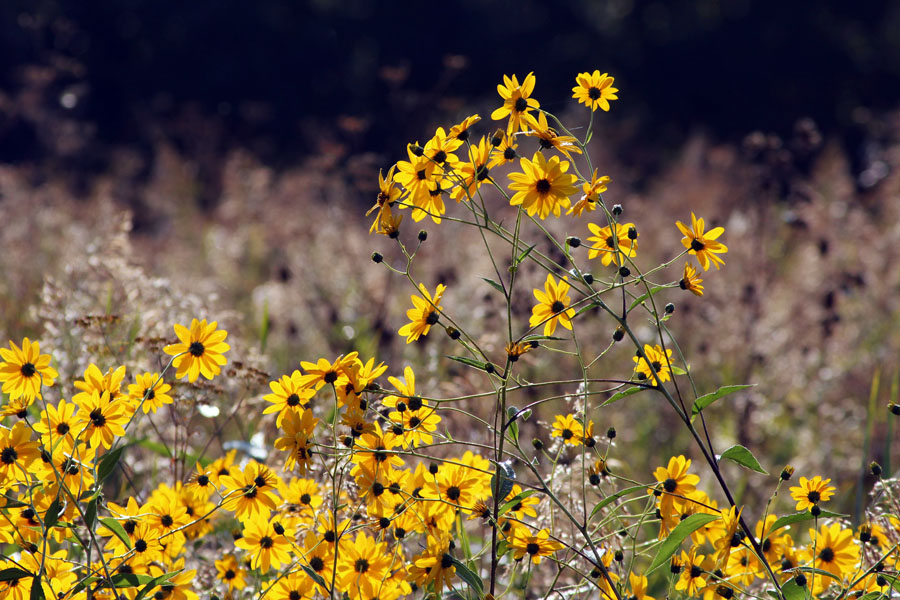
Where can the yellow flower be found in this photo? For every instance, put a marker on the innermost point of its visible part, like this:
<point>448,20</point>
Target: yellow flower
<point>591,198</point>
<point>638,584</point>
<point>691,280</point>
<point>611,242</point>
<point>423,182</point>
<point>658,363</point>
<point>251,492</point>
<point>569,429</point>
<point>102,420</point>
<point>151,389</point>
<point>200,351</point>
<point>703,244</point>
<point>435,564</point>
<point>424,314</point>
<point>17,452</point>
<point>298,429</point>
<point>362,567</point>
<point>229,570</point>
<point>473,173</point>
<point>543,186</point>
<point>535,546</point>
<point>811,491</point>
<point>461,131</point>
<point>832,549</point>
<point>675,480</point>
<point>266,545</point>
<point>595,90</point>
<point>97,381</point>
<point>289,394</point>
<point>25,370</point>
<point>553,306</point>
<point>549,137</point>
<point>56,423</point>
<point>516,102</point>
<point>693,574</point>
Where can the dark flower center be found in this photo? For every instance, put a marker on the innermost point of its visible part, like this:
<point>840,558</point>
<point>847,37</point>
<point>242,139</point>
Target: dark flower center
<point>546,143</point>
<point>330,377</point>
<point>294,595</point>
<point>415,403</point>
<point>196,349</point>
<point>151,394</point>
<point>670,485</point>
<point>305,499</point>
<point>697,245</point>
<point>767,544</point>
<point>656,365</point>
<point>463,135</point>
<point>28,370</point>
<point>293,400</point>
<point>329,537</point>
<point>129,526</point>
<point>542,186</point>
<point>567,434</point>
<point>361,565</point>
<point>421,175</point>
<point>532,548</point>
<point>260,481</point>
<point>9,455</point>
<point>557,306</point>
<point>97,418</point>
<point>813,497</point>
<point>317,564</point>
<point>481,173</point>
<point>229,574</point>
<point>415,422</point>
<point>453,493</point>
<point>432,317</point>
<point>446,561</point>
<point>250,491</point>
<point>521,104</point>
<point>266,542</point>
<point>696,571</point>
<point>203,480</point>
<point>377,489</point>
<point>594,93</point>
<point>167,520</point>
<point>827,555</point>
<point>440,157</point>
<point>140,546</point>
<point>509,153</point>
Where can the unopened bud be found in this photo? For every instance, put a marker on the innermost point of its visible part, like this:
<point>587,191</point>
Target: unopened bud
<point>875,468</point>
<point>632,233</point>
<point>377,257</point>
<point>670,308</point>
<point>423,235</point>
<point>617,209</point>
<point>787,472</point>
<point>618,334</point>
<point>573,241</point>
<point>624,271</point>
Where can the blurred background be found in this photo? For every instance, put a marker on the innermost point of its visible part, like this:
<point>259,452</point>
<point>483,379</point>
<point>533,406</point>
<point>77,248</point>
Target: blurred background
<point>163,157</point>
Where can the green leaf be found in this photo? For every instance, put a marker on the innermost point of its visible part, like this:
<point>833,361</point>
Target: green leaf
<point>653,291</point>
<point>672,543</point>
<point>707,399</point>
<point>52,514</point>
<point>477,364</point>
<point>678,370</point>
<point>13,573</point>
<point>117,529</point>
<point>470,577</point>
<point>127,580</point>
<point>37,590</point>
<point>819,572</point>
<point>613,497</point>
<point>507,476</point>
<point>495,285</point>
<point>108,464</point>
<point>802,516</point>
<point>513,427</point>
<point>524,254</point>
<point>159,580</point>
<point>743,457</point>
<point>507,506</point>
<point>893,580</point>
<point>792,591</point>
<point>90,513</point>
<point>619,395</point>
<point>315,576</point>
<point>533,337</point>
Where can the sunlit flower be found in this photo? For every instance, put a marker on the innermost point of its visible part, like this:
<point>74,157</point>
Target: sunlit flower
<point>266,545</point>
<point>553,306</point>
<point>200,351</point>
<point>548,137</point>
<point>832,549</point>
<point>435,564</point>
<point>57,422</point>
<point>25,370</point>
<point>675,480</point>
<point>594,90</point>
<point>324,372</point>
<point>693,574</point>
<point>591,197</point>
<point>535,546</point>
<point>251,492</point>
<point>289,394</point>
<point>504,151</point>
<point>812,491</point>
<point>638,586</point>
<point>101,421</point>
<point>461,131</point>
<point>152,390</point>
<point>656,362</point>
<point>691,280</point>
<point>362,567</point>
<point>703,243</point>
<point>543,186</point>
<point>17,452</point>
<point>569,429</point>
<point>424,314</point>
<point>612,242</point>
<point>517,102</point>
<point>96,380</point>
<point>474,172</point>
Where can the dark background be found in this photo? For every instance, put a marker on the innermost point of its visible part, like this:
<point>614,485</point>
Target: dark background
<point>273,76</point>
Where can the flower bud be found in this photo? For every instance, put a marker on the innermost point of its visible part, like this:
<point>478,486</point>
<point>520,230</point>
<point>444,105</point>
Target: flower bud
<point>815,510</point>
<point>617,209</point>
<point>895,408</point>
<point>632,233</point>
<point>618,556</point>
<point>537,443</point>
<point>423,235</point>
<point>800,579</point>
<point>875,468</point>
<point>453,333</point>
<point>377,257</point>
<point>787,472</point>
<point>618,334</point>
<point>624,271</point>
<point>670,308</point>
<point>573,241</point>
<point>611,433</point>
<point>588,278</point>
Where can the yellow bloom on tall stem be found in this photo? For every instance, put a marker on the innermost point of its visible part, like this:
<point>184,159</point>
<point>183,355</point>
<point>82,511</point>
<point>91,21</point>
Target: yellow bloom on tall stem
<point>691,281</point>
<point>150,392</point>
<point>362,567</point>
<point>289,394</point>
<point>569,429</point>
<point>595,90</point>
<point>811,491</point>
<point>424,314</point>
<point>516,102</point>
<point>535,546</point>
<point>553,306</point>
<point>543,186</point>
<point>264,544</point>
<point>200,350</point>
<point>675,481</point>
<point>611,243</point>
<point>591,197</point>
<point>17,452</point>
<point>658,363</point>
<point>832,549</point>
<point>25,370</point>
<point>703,243</point>
<point>101,420</point>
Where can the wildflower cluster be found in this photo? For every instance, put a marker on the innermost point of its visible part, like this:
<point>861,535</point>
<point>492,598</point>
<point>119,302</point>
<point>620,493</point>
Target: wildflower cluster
<point>383,487</point>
